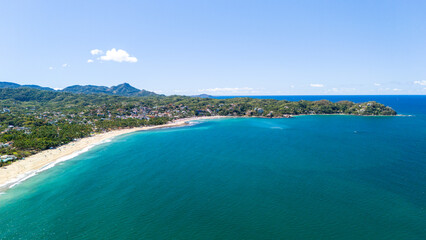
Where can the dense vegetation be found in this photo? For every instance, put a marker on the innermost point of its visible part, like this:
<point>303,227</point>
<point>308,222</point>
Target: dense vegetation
<point>121,90</point>
<point>32,120</point>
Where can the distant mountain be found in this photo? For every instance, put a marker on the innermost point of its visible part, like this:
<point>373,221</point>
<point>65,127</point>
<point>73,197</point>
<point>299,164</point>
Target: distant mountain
<point>15,85</point>
<point>38,87</point>
<point>87,89</point>
<point>203,96</point>
<point>9,85</point>
<point>124,89</point>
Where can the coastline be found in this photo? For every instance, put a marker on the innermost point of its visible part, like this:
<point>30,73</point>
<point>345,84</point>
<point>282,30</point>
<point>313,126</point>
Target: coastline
<point>21,170</point>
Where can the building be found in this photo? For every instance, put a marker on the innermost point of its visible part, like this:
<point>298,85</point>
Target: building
<point>7,158</point>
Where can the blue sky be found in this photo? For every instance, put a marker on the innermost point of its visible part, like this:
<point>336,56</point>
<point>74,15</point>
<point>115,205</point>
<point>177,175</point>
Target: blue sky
<point>218,47</point>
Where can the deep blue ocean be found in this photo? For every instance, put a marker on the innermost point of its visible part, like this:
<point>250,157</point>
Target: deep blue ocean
<point>403,104</point>
<point>308,177</point>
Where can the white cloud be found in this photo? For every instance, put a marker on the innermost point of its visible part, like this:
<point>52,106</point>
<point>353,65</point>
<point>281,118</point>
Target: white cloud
<point>118,56</point>
<point>57,89</point>
<point>89,61</point>
<point>225,89</point>
<point>50,68</point>
<point>179,91</point>
<point>377,84</point>
<point>65,65</point>
<point>422,82</point>
<point>242,90</point>
<point>96,52</point>
<point>396,89</point>
<point>316,85</point>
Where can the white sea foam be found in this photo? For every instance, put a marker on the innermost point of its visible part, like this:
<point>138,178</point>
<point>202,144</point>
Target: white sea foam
<point>19,179</point>
<point>191,123</point>
<point>22,177</point>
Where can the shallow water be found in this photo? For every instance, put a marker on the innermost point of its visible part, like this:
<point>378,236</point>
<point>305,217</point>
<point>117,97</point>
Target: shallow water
<point>309,177</point>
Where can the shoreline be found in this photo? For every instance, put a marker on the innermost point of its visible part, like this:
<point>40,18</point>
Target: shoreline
<point>22,170</point>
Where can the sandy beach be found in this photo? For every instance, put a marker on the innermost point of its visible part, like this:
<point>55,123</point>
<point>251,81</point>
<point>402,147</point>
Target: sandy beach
<point>23,169</point>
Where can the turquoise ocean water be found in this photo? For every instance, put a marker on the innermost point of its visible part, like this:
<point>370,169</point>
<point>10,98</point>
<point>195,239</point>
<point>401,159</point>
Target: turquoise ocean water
<point>309,177</point>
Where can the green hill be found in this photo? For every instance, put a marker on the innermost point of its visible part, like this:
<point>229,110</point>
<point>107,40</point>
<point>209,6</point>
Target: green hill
<point>125,89</point>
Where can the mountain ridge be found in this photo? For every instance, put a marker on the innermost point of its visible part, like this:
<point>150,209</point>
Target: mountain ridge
<point>203,96</point>
<point>124,89</point>
<point>16,85</point>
